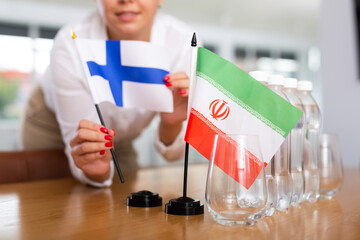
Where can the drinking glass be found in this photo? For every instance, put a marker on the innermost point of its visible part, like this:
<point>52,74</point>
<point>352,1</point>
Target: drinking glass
<point>236,191</point>
<point>271,191</point>
<point>330,165</point>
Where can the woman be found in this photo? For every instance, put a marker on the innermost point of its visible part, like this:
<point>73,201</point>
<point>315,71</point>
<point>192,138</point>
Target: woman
<point>65,93</point>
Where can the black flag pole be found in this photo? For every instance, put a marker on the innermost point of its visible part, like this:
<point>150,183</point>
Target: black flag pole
<point>112,149</point>
<point>186,163</point>
<point>185,205</point>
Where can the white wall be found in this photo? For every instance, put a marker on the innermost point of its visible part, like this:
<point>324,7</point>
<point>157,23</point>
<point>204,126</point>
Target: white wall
<point>340,81</point>
<point>40,13</point>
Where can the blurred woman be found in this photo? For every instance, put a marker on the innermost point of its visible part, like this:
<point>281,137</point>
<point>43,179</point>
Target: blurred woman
<point>61,114</point>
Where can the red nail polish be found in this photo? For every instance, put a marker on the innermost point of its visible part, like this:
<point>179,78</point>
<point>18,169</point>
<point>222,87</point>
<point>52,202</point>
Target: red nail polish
<point>102,152</point>
<point>108,137</point>
<point>104,130</point>
<point>168,84</point>
<point>166,78</point>
<point>108,144</point>
<point>182,91</point>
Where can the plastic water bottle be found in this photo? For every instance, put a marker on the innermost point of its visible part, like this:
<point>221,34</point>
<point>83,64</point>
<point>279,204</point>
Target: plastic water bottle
<point>310,154</point>
<point>296,144</point>
<point>280,167</point>
<point>260,76</point>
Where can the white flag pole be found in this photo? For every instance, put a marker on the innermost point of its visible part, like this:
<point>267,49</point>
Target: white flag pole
<point>192,72</point>
<point>94,96</point>
<point>191,93</point>
<point>185,205</point>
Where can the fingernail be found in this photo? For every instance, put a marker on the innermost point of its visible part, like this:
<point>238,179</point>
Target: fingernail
<point>182,91</point>
<point>166,78</point>
<point>108,144</point>
<point>168,84</point>
<point>102,152</point>
<point>104,130</point>
<point>108,137</point>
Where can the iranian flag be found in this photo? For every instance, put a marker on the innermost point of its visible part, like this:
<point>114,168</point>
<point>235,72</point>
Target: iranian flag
<point>226,100</point>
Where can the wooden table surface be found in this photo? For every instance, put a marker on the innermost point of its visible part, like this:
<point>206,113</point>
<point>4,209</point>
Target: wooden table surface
<point>65,209</point>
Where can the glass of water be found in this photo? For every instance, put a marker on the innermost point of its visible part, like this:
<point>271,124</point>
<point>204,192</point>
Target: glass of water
<point>330,165</point>
<point>236,191</point>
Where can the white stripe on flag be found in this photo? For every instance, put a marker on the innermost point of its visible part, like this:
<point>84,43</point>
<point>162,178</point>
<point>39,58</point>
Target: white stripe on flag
<point>87,50</point>
<point>238,121</point>
<point>90,49</point>
<point>155,56</point>
<point>103,90</point>
<point>142,98</point>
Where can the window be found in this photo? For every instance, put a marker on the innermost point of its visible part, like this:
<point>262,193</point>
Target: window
<point>23,60</point>
<point>241,58</point>
<point>211,47</point>
<point>272,60</point>
<point>16,66</point>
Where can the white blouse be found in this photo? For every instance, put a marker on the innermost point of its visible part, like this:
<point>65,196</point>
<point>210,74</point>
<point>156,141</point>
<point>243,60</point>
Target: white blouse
<point>67,94</point>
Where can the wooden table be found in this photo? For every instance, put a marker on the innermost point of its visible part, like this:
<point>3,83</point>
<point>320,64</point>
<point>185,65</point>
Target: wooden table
<point>65,209</point>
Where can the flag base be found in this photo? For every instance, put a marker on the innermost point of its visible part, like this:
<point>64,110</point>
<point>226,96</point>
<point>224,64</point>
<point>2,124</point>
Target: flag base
<point>144,198</point>
<point>184,206</point>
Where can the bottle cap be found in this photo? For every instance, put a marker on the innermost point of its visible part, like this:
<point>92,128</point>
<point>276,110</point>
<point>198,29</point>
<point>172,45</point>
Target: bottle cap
<point>290,83</point>
<point>260,76</point>
<point>304,85</point>
<point>276,80</point>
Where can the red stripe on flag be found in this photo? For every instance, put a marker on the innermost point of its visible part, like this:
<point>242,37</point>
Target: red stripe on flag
<point>200,134</point>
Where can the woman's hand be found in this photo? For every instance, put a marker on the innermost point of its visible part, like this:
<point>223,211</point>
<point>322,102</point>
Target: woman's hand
<point>90,150</point>
<point>171,123</point>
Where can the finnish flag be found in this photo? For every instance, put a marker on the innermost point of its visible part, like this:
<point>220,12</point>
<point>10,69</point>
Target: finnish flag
<point>126,73</point>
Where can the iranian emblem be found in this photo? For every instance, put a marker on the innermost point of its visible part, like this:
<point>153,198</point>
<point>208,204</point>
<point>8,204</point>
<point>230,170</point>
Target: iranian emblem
<point>219,109</point>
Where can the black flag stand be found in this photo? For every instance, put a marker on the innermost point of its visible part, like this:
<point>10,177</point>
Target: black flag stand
<point>185,205</point>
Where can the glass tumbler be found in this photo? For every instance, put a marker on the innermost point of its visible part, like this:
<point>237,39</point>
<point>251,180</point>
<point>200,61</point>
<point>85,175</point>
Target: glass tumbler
<point>330,165</point>
<point>236,191</point>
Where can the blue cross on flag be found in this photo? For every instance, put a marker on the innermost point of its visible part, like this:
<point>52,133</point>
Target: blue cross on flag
<point>126,73</point>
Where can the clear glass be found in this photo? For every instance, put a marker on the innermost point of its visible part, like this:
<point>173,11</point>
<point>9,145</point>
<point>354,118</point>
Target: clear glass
<point>236,190</point>
<point>330,165</point>
<point>271,190</point>
<point>296,150</point>
<point>310,154</point>
<point>282,178</point>
<point>280,166</point>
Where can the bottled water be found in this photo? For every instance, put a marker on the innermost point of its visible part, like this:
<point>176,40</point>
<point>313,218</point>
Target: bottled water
<point>310,153</point>
<point>271,190</point>
<point>260,76</point>
<point>271,204</point>
<point>280,167</point>
<point>296,144</point>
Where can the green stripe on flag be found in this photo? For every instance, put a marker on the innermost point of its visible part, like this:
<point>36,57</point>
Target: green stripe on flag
<point>248,93</point>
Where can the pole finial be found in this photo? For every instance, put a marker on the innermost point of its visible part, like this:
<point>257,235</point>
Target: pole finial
<point>73,34</point>
<point>193,41</point>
